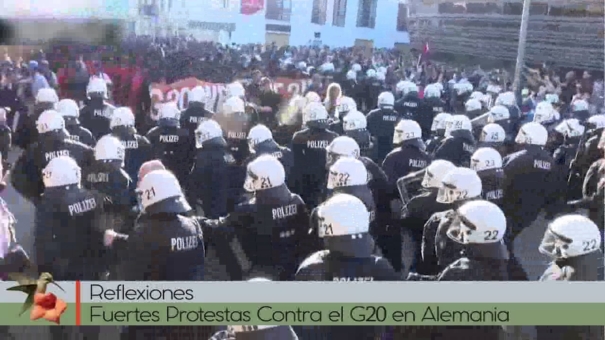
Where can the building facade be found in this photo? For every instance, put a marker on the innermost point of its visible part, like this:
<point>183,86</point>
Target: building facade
<point>336,23</point>
<point>568,33</point>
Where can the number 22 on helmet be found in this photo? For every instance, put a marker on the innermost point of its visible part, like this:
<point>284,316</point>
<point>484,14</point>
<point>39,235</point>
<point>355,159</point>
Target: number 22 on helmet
<point>478,222</point>
<point>459,184</point>
<point>347,172</point>
<point>265,172</point>
<point>570,236</point>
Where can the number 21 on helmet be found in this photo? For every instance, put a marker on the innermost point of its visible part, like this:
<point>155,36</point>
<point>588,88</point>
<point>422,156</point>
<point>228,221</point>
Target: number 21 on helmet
<point>265,172</point>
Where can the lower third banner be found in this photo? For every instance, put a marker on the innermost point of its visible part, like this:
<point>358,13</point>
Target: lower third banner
<point>349,314</point>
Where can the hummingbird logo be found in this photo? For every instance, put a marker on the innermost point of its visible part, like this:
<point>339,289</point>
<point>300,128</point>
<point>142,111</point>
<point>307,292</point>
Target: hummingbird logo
<point>45,305</point>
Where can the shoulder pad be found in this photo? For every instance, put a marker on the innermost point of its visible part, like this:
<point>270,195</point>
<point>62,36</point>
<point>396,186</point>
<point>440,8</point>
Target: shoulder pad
<point>438,216</point>
<point>315,258</point>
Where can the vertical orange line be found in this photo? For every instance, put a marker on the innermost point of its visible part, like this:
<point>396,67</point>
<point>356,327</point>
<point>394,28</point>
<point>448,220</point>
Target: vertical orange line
<point>78,304</point>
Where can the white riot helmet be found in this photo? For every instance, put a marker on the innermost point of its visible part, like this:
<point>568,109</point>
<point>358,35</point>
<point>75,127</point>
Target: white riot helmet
<point>486,159</point>
<point>312,97</point>
<point>532,134</point>
<point>47,95</point>
<point>342,146</point>
<point>476,95</point>
<point>408,87</point>
<point>544,113</point>
<point>386,99</point>
<point>235,89</point>
<point>435,172</point>
<point>371,73</point>
<point>492,133</point>
<point>233,105</point>
<point>498,113</point>
<point>314,112</point>
<point>597,121</point>
<point>343,215</point>
<point>265,172</point>
<point>302,65</point>
<point>457,123</point>
<point>162,186</point>
<point>459,184</point>
<point>355,120</point>
<point>347,172</point>
<point>570,236</point>
<point>61,171</point>
<point>506,99</point>
<point>50,120</point>
<point>68,108</point>
<point>109,148</point>
<point>326,67</point>
<point>207,130</point>
<point>169,111</point>
<point>473,105</point>
<point>579,105</point>
<point>405,130</point>
<point>382,69</point>
<point>356,67</point>
<point>351,75</point>
<point>98,86</point>
<point>122,116</point>
<point>478,222</point>
<point>439,121</point>
<point>197,95</point>
<point>345,105</point>
<point>257,135</point>
<point>432,91</point>
<point>381,76</point>
<point>570,128</point>
<point>463,87</point>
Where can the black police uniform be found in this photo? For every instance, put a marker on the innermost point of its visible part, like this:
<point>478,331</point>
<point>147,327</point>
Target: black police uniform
<point>173,146</point>
<point>345,259</point>
<point>112,182</point>
<point>236,127</point>
<point>193,116</point>
<point>270,228</point>
<point>434,141</point>
<point>591,152</point>
<point>210,183</point>
<point>532,182</point>
<point>96,116</point>
<point>26,176</point>
<point>165,244</point>
<point>282,153</point>
<point>138,150</point>
<point>587,267</point>
<point>429,108</point>
<point>27,133</point>
<point>381,125</point>
<point>403,160</point>
<point>419,210</point>
<point>367,144</point>
<point>434,252</point>
<point>409,106</point>
<point>458,148</point>
<point>309,155</point>
<point>492,183</point>
<point>79,133</point>
<point>70,215</point>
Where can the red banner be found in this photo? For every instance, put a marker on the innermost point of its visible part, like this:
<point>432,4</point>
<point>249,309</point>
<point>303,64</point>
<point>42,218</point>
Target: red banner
<point>250,7</point>
<point>125,81</point>
<point>177,91</point>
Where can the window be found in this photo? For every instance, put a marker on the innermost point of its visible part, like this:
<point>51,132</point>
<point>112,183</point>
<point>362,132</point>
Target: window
<point>512,8</point>
<point>340,13</point>
<point>279,10</point>
<point>402,18</point>
<point>319,12</point>
<point>366,16</point>
<point>538,8</point>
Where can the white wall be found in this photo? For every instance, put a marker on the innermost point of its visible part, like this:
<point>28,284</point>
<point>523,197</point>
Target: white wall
<point>251,28</point>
